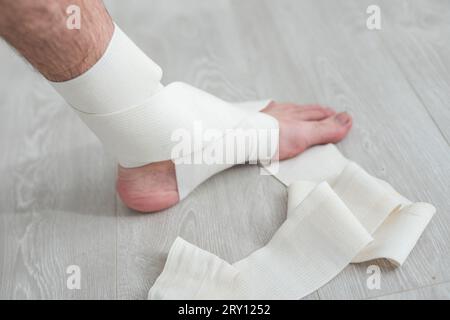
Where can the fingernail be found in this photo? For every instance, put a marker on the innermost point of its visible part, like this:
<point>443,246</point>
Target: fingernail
<point>343,118</point>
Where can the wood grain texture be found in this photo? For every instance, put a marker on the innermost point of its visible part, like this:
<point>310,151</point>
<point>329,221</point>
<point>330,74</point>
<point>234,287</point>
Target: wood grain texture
<point>434,292</point>
<point>57,205</point>
<point>57,201</point>
<point>421,50</point>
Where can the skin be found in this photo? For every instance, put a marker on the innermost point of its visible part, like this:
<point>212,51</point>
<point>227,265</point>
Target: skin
<point>37,30</point>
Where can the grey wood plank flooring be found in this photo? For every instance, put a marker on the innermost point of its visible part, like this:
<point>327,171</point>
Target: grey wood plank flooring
<point>434,292</point>
<point>57,200</point>
<point>57,205</point>
<point>421,50</point>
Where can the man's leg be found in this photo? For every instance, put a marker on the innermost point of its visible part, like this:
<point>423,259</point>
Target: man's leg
<point>37,29</point>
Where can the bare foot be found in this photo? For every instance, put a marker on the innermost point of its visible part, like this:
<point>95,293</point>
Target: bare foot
<point>154,187</point>
<point>304,126</point>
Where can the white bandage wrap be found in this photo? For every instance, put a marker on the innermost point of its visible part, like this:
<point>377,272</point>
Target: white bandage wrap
<point>337,214</point>
<point>139,121</point>
<point>123,77</point>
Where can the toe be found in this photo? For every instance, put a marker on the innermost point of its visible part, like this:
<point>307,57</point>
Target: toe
<point>315,114</point>
<point>330,130</point>
<point>306,107</point>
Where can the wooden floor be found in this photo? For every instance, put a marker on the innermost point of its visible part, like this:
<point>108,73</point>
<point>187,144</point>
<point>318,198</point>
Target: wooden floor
<point>57,201</point>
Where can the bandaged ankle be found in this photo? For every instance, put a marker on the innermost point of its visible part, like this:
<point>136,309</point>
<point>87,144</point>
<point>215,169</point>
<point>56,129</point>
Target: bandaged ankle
<point>353,217</point>
<point>139,121</point>
<point>123,77</point>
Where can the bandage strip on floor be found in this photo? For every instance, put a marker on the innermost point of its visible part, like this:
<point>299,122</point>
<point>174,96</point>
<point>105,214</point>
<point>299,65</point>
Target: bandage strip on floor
<point>137,119</point>
<point>337,214</point>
